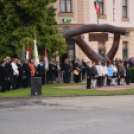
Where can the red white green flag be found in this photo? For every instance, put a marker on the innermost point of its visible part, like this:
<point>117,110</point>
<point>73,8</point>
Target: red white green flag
<point>97,7</point>
<point>28,55</point>
<point>46,60</point>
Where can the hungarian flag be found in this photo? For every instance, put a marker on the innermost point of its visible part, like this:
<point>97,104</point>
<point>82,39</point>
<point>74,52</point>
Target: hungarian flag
<point>46,60</point>
<point>97,7</point>
<point>28,55</point>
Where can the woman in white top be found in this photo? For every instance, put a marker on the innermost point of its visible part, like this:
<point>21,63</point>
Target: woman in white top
<point>105,74</point>
<point>99,68</point>
<point>15,72</point>
<point>58,72</point>
<point>114,73</point>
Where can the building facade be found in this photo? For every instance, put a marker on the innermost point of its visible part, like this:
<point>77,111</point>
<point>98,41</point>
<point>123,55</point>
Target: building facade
<point>74,13</point>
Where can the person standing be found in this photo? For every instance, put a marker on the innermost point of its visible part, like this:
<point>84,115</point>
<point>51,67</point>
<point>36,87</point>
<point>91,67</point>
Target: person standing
<point>32,67</point>
<point>66,71</point>
<point>19,79</point>
<point>76,71</point>
<point>123,76</point>
<point>41,71</point>
<point>80,69</point>
<point>94,74</point>
<point>89,75</point>
<point>100,73</point>
<point>58,72</point>
<point>105,74</point>
<point>114,73</point>
<point>84,65</point>
<point>15,74</point>
<point>27,73</point>
<point>110,73</point>
<point>51,71</point>
<point>128,74</point>
<point>3,75</point>
<point>9,73</point>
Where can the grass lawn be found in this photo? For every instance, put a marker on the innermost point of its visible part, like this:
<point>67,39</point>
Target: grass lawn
<point>50,90</point>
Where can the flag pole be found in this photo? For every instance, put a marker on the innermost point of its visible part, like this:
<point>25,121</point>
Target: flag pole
<point>45,78</point>
<point>97,19</point>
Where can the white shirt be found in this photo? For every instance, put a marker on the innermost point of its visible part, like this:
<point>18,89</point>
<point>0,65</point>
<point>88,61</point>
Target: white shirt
<point>59,68</point>
<point>105,70</point>
<point>114,68</point>
<point>15,68</point>
<point>99,69</point>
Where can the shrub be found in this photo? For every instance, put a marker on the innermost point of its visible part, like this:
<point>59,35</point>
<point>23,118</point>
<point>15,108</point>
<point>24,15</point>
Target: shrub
<point>132,74</point>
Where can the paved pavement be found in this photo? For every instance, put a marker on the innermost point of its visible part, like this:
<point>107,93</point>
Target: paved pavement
<point>108,88</point>
<point>68,115</point>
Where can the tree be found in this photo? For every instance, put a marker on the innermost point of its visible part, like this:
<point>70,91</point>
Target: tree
<point>23,20</point>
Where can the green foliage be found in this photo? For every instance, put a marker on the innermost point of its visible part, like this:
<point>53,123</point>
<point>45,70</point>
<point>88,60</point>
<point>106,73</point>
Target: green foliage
<point>21,21</point>
<point>132,75</point>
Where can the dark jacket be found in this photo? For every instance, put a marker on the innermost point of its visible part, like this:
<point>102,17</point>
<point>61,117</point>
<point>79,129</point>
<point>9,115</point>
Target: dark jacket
<point>20,69</point>
<point>66,67</point>
<point>84,65</point>
<point>128,72</point>
<point>9,71</point>
<point>75,65</point>
<point>89,71</point>
<point>3,73</point>
<point>56,71</point>
<point>94,71</point>
<point>27,70</point>
<point>41,70</point>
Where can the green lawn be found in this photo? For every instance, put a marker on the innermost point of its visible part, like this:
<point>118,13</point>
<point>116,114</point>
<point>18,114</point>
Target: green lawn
<point>51,90</point>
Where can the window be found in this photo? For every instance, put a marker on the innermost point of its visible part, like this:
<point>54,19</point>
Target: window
<point>125,50</point>
<point>124,8</point>
<point>66,6</point>
<point>101,2</point>
<point>101,48</point>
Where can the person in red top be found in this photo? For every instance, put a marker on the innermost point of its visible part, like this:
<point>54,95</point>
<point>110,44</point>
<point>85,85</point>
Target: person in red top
<point>33,70</point>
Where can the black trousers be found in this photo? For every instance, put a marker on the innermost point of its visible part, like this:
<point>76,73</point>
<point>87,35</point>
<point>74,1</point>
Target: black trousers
<point>19,82</point>
<point>80,72</point>
<point>66,76</point>
<point>119,79</point>
<point>25,82</point>
<point>9,83</point>
<point>109,80</point>
<point>99,81</point>
<point>3,85</point>
<point>127,80</point>
<point>14,82</point>
<point>83,73</point>
<point>76,78</point>
<point>89,82</point>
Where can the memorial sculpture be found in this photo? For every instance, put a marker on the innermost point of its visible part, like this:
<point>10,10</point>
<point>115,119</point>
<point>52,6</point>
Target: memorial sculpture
<point>104,28</point>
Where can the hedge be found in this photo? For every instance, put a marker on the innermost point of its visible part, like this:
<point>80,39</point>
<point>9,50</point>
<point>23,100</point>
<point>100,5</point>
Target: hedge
<point>132,75</point>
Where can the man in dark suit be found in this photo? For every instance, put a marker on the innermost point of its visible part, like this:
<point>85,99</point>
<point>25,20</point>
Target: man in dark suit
<point>27,72</point>
<point>3,75</point>
<point>51,71</point>
<point>9,73</point>
<point>128,74</point>
<point>89,75</point>
<point>84,65</point>
<point>41,71</point>
<point>19,78</point>
<point>66,70</point>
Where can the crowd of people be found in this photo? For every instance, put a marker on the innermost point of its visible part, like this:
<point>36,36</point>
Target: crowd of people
<point>16,74</point>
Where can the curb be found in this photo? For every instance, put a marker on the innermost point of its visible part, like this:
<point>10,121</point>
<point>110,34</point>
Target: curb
<point>34,97</point>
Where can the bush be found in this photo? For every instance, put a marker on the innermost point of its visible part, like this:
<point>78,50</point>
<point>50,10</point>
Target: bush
<point>132,74</point>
